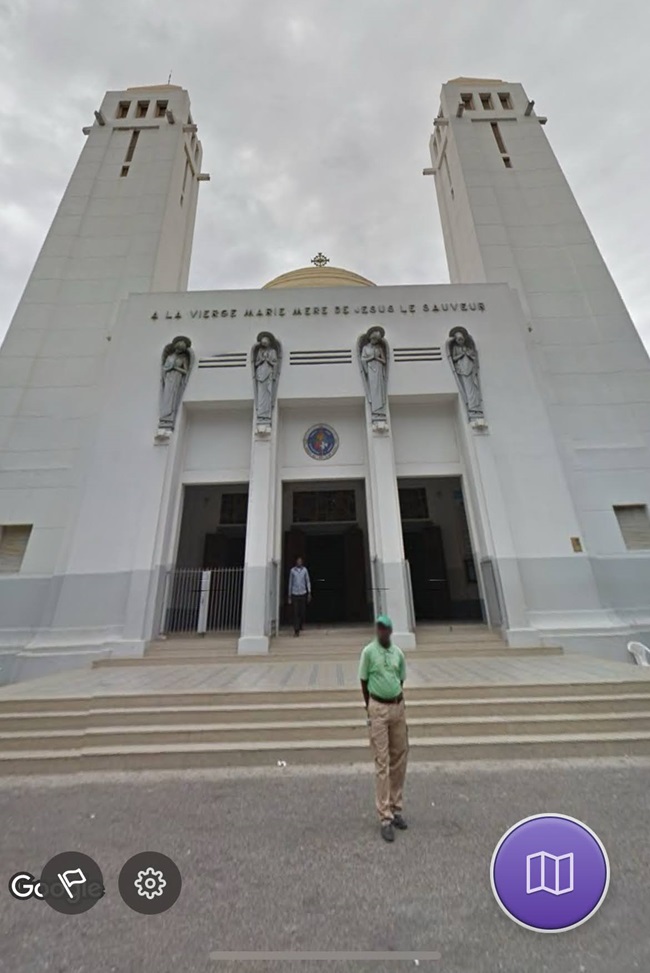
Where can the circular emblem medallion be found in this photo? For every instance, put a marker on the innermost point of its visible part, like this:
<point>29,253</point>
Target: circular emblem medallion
<point>321,442</point>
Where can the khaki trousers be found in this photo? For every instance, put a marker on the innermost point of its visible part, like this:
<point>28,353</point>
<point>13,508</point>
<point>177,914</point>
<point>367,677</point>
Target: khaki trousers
<point>389,742</point>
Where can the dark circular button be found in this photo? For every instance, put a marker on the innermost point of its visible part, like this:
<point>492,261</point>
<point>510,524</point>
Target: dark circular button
<point>72,883</point>
<point>150,883</point>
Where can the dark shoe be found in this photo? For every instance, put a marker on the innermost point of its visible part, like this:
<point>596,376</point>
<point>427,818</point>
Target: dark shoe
<point>296,634</point>
<point>387,831</point>
<point>399,822</point>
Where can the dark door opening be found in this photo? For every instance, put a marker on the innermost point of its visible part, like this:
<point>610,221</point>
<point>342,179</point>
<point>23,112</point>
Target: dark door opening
<point>438,549</point>
<point>325,555</point>
<point>337,568</point>
<point>224,549</point>
<point>212,539</point>
<point>324,525</point>
<point>424,551</point>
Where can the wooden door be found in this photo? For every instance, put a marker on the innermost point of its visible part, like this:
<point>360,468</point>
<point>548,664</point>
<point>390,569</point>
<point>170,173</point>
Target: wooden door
<point>295,545</point>
<point>436,595</point>
<point>356,596</point>
<point>215,551</point>
<point>424,551</point>
<point>326,564</point>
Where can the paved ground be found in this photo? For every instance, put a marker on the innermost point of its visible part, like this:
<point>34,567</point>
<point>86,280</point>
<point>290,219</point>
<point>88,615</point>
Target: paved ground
<point>258,676</point>
<point>291,860</point>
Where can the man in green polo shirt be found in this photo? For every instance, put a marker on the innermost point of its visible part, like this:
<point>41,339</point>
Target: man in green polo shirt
<point>382,671</point>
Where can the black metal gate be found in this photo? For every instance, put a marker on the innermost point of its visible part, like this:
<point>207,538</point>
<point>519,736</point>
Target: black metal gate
<point>203,601</point>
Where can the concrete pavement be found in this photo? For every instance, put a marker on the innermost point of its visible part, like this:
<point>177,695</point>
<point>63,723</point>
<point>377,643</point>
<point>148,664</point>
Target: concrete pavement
<point>290,859</point>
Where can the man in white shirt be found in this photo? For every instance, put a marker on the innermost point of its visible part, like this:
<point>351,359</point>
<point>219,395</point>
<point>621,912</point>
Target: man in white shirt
<point>299,594</point>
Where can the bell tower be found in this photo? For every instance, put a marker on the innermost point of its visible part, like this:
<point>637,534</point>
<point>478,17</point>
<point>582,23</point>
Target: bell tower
<point>124,225</point>
<point>508,215</point>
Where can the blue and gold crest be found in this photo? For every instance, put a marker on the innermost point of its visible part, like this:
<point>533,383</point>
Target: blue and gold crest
<point>321,442</point>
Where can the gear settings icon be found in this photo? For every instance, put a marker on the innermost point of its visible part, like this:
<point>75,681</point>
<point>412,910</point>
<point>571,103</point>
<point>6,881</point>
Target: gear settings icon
<point>150,883</point>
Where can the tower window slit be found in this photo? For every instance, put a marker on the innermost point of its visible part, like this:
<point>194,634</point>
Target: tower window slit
<point>486,102</point>
<point>448,174</point>
<point>496,131</point>
<point>132,144</point>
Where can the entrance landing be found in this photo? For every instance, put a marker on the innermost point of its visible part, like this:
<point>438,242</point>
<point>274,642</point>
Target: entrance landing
<point>248,675</point>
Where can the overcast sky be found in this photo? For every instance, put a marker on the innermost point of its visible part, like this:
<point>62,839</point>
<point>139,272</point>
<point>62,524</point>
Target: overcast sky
<point>315,117</point>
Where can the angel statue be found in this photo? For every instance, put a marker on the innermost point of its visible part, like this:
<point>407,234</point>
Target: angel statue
<point>372,352</point>
<point>266,358</point>
<point>463,358</point>
<point>176,365</point>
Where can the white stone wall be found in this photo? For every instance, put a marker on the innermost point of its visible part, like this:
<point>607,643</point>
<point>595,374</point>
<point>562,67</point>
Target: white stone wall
<point>112,235</point>
<point>518,501</point>
<point>523,225</point>
<point>563,372</point>
<point>425,435</point>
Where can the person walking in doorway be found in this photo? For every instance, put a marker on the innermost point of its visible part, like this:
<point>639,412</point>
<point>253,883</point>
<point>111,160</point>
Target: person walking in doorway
<point>382,671</point>
<point>299,594</point>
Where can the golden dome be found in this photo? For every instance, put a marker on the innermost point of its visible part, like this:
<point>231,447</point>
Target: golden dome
<point>319,277</point>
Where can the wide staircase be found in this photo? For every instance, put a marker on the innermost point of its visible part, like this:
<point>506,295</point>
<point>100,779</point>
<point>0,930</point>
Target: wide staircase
<point>335,644</point>
<point>188,705</point>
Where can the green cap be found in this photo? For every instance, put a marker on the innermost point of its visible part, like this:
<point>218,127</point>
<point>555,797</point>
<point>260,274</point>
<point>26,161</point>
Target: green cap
<point>384,621</point>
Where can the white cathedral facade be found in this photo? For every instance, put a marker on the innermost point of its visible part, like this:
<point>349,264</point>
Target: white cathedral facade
<point>449,452</point>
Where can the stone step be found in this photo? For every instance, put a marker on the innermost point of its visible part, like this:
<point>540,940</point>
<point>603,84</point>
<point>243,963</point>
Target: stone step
<point>262,712</point>
<point>155,700</point>
<point>362,638</point>
<point>354,638</point>
<point>342,752</point>
<point>305,645</point>
<point>313,731</point>
<point>316,654</point>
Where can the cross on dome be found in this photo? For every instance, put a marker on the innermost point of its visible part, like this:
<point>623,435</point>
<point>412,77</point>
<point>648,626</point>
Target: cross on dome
<point>320,260</point>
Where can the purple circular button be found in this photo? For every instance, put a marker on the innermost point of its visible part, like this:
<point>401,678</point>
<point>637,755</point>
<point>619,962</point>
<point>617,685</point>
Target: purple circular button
<point>550,873</point>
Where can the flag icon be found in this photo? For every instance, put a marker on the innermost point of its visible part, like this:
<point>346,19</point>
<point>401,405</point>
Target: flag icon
<point>74,876</point>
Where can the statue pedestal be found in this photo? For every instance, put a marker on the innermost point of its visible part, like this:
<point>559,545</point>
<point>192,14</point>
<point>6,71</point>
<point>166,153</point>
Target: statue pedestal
<point>162,437</point>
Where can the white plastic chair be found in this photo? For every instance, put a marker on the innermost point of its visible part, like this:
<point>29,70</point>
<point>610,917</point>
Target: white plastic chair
<point>640,652</point>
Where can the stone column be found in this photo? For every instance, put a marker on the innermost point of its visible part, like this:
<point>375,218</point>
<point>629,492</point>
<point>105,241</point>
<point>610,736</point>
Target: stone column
<point>387,522</point>
<point>259,535</point>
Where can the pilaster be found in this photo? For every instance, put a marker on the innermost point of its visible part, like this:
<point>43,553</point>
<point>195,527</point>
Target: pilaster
<point>254,636</point>
<point>387,528</point>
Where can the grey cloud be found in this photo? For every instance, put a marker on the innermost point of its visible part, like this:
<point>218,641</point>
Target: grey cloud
<point>315,118</point>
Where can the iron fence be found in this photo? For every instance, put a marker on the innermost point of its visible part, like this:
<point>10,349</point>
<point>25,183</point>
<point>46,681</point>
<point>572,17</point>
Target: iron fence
<point>203,601</point>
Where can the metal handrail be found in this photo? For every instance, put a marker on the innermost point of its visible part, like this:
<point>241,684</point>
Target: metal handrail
<point>408,584</point>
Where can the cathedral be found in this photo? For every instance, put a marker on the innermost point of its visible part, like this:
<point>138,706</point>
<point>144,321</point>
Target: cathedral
<point>477,450</point>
